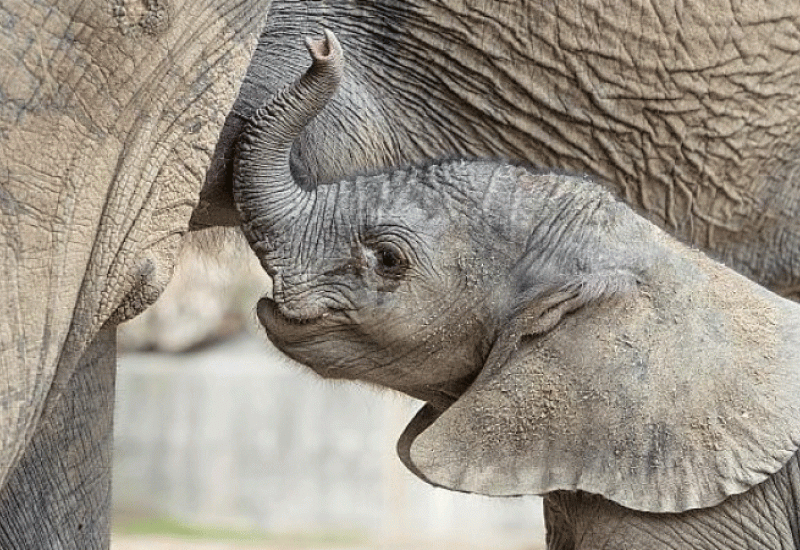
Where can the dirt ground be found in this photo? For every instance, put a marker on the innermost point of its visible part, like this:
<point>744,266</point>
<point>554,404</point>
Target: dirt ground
<point>169,543</point>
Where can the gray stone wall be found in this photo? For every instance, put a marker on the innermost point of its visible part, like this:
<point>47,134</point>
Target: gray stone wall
<point>238,435</point>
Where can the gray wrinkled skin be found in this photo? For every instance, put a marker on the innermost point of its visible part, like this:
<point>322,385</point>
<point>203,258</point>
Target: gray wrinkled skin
<point>764,518</point>
<point>564,345</point>
<point>687,110</point>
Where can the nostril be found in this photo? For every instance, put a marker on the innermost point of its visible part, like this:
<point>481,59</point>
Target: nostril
<point>320,49</point>
<point>326,49</point>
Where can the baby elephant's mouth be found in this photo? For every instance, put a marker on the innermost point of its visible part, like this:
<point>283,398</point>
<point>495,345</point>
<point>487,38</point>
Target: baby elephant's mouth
<point>295,322</point>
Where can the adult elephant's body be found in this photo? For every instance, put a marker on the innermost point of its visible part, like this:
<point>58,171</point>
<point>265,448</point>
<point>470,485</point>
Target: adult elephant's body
<point>689,109</point>
<point>110,113</point>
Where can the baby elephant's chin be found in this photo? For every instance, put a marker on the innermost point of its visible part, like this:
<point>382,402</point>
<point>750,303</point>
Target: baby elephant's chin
<point>304,339</point>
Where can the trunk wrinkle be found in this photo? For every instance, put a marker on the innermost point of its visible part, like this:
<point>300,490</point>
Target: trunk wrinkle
<point>269,199</point>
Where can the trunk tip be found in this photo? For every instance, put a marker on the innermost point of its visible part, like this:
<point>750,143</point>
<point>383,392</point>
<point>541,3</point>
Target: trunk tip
<point>325,50</point>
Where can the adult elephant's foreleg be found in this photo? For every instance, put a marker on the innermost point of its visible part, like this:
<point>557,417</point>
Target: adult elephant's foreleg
<point>59,494</point>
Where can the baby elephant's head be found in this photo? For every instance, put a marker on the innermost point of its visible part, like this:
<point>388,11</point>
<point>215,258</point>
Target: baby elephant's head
<point>559,340</point>
<point>399,279</point>
<point>392,281</point>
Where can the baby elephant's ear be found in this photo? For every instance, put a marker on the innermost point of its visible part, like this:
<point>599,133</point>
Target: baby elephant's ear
<point>672,396</point>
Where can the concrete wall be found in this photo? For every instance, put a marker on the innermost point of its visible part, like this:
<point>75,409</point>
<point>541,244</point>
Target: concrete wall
<point>239,435</point>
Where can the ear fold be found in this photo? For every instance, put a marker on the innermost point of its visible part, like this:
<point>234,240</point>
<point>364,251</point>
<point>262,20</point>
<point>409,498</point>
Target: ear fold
<point>541,308</point>
<point>675,395</point>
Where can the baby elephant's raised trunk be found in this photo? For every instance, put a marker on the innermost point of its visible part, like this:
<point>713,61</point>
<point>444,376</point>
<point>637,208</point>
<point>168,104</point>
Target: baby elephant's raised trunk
<point>269,200</point>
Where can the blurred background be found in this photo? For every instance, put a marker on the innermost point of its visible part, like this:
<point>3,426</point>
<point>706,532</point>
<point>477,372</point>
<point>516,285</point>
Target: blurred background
<point>224,443</point>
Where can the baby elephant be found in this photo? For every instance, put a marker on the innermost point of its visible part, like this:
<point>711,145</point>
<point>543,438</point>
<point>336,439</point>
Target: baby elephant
<point>564,345</point>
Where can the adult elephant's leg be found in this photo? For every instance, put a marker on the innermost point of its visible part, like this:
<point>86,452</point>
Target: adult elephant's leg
<point>59,494</point>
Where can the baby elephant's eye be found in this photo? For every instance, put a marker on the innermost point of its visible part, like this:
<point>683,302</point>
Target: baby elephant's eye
<point>390,261</point>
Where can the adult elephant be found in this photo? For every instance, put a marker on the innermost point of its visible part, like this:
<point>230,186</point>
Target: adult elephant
<point>109,116</point>
<point>688,109</point>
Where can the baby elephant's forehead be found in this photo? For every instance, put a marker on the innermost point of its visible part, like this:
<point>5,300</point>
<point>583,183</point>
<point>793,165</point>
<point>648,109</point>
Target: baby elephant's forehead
<point>418,209</point>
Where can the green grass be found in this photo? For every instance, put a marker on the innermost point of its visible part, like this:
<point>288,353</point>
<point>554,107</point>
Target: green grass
<point>165,526</point>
